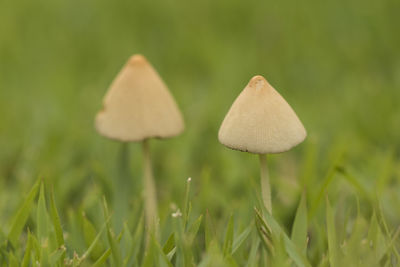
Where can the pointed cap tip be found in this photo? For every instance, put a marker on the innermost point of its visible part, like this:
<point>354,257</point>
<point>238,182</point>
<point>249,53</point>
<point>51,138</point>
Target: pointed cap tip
<point>137,58</point>
<point>258,82</point>
<point>257,78</point>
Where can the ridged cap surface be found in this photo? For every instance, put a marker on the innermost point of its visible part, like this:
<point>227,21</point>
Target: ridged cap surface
<point>138,105</point>
<point>260,121</point>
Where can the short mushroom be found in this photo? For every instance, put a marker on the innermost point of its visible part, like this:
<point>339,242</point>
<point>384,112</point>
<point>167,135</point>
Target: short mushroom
<point>138,106</point>
<point>260,121</point>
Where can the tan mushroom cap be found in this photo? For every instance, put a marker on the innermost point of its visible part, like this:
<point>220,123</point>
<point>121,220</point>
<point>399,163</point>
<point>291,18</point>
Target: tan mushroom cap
<point>260,121</point>
<point>138,105</point>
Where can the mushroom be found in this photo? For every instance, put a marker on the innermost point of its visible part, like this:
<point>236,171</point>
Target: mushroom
<point>260,121</point>
<point>137,107</point>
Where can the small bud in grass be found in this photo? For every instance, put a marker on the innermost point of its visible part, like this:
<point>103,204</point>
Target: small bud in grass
<point>177,214</point>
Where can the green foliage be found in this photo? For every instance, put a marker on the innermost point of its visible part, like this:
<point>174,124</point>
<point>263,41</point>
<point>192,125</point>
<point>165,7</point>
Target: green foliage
<point>337,64</point>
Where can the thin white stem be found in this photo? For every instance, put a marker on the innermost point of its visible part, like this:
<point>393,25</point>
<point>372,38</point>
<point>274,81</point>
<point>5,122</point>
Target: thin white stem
<point>150,197</point>
<point>265,184</point>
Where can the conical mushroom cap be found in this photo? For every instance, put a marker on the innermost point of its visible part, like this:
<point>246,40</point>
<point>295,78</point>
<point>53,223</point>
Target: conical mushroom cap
<point>138,105</point>
<point>260,121</point>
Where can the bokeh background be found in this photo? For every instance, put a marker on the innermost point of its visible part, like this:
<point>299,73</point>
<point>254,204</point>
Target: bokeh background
<point>336,62</point>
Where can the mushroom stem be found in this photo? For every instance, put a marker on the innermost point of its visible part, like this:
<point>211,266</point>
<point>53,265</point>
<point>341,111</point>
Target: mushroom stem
<point>150,198</point>
<point>265,184</point>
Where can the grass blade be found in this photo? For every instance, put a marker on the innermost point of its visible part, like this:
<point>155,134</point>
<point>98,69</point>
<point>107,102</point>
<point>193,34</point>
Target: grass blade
<point>299,229</point>
<point>186,204</point>
<point>95,241</point>
<point>194,229</point>
<point>333,169</point>
<point>169,244</point>
<point>22,215</point>
<point>171,254</point>
<point>227,247</point>
<point>41,217</point>
<point>107,253</point>
<point>116,253</point>
<point>27,256</point>
<point>102,260</point>
<point>95,248</point>
<point>57,256</point>
<point>241,238</point>
<point>126,242</point>
<point>163,259</point>
<point>56,220</point>
<point>150,256</point>
<point>332,242</point>
<point>265,235</point>
<point>12,260</point>
<point>253,253</point>
<point>292,250</point>
<point>210,232</point>
<point>132,257</point>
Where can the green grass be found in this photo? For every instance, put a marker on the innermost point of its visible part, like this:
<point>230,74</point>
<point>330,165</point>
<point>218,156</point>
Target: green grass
<point>336,197</point>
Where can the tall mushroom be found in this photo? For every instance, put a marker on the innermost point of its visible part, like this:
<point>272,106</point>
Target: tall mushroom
<point>137,107</point>
<point>260,121</point>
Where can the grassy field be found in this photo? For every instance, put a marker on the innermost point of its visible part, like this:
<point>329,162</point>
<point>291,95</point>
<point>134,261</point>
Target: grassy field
<point>336,197</point>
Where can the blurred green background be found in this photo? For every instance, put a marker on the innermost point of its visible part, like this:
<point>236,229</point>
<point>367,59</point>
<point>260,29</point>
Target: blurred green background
<point>336,62</point>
